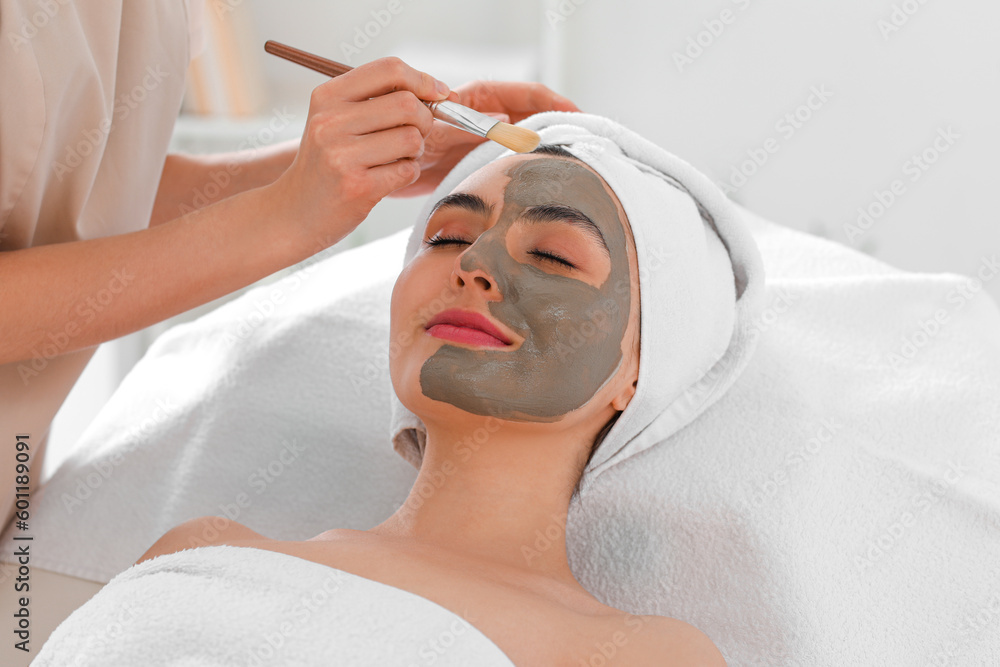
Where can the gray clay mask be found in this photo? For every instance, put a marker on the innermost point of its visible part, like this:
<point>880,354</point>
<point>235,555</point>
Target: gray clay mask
<point>572,330</point>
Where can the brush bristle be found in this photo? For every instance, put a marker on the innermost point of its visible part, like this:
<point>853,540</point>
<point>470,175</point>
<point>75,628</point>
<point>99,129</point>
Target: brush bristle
<point>518,139</point>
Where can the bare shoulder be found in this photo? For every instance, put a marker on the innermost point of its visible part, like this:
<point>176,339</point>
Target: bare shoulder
<point>668,641</point>
<point>204,531</point>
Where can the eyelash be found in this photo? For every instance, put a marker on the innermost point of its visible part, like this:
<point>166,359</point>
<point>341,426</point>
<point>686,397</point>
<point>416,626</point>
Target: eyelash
<point>540,254</point>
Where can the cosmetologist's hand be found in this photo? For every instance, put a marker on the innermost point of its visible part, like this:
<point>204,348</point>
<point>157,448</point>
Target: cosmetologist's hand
<point>365,132</point>
<point>508,101</point>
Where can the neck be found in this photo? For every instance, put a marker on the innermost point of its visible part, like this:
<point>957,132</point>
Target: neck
<point>497,491</point>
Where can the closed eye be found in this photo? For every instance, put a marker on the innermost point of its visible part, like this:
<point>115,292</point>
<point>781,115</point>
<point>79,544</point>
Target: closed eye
<point>551,257</point>
<point>437,240</point>
<point>545,255</point>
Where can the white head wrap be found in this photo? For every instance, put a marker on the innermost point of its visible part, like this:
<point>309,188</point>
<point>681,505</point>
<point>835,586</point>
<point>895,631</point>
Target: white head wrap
<point>701,281</point>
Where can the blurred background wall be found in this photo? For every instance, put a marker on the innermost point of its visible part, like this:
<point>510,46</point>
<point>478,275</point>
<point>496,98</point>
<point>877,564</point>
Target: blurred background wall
<point>870,122</point>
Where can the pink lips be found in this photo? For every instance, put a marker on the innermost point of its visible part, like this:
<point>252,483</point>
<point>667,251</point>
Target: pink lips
<point>463,326</point>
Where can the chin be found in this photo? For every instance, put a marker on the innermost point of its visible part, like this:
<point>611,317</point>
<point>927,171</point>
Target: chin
<point>404,375</point>
<point>429,410</point>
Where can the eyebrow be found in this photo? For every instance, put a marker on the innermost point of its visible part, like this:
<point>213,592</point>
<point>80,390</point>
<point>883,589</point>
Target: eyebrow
<point>467,201</point>
<point>543,213</point>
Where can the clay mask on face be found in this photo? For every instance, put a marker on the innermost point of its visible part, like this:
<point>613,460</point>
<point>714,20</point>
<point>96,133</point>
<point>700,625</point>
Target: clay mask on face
<point>572,330</point>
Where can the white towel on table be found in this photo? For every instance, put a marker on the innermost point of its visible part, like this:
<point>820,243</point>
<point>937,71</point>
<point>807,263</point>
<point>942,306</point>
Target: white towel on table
<point>225,606</point>
<point>809,517</point>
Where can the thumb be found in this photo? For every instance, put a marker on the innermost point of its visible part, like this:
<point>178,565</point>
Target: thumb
<point>502,117</point>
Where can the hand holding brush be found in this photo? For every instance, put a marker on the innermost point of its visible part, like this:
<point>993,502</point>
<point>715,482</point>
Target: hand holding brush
<point>517,139</point>
<point>368,135</point>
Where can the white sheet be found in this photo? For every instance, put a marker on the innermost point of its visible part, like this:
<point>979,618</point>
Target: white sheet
<point>758,523</point>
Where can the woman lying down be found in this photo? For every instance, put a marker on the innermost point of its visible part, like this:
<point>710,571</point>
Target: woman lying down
<point>534,313</point>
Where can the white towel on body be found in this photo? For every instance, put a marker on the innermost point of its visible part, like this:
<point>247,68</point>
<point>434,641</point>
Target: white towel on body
<point>839,504</point>
<point>225,606</point>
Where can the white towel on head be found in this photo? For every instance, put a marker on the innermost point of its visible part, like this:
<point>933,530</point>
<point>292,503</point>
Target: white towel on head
<point>700,274</point>
<point>236,606</point>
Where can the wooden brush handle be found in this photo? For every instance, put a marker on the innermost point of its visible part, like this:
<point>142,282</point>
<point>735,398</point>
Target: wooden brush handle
<point>306,59</point>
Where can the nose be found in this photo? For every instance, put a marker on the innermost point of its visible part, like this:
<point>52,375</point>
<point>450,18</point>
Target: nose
<point>471,269</point>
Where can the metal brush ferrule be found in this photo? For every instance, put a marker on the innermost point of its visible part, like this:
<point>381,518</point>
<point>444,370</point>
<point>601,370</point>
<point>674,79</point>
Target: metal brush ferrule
<point>468,119</point>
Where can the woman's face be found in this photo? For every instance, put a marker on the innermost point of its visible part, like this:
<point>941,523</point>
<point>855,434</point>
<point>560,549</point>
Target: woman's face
<point>522,301</point>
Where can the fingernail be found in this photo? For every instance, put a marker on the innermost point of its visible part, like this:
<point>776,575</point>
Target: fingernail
<point>441,87</point>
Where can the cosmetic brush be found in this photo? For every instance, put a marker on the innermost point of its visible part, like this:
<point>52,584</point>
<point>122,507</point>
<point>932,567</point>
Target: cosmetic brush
<point>518,139</point>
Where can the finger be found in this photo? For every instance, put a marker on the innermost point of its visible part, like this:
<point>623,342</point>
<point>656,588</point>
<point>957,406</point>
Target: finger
<point>387,178</point>
<point>418,187</point>
<point>502,117</point>
<point>517,99</point>
<point>445,137</point>
<point>387,75</point>
<point>386,146</point>
<point>399,108</point>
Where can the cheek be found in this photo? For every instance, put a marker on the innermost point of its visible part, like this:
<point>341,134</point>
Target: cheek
<point>591,335</point>
<point>397,300</point>
<point>396,317</point>
<point>421,290</point>
<point>418,284</point>
<point>404,307</point>
<point>572,316</point>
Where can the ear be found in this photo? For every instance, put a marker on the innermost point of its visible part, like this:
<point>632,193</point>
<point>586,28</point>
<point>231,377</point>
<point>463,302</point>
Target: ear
<point>621,401</point>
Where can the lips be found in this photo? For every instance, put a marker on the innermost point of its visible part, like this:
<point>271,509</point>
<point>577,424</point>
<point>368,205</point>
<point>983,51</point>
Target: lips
<point>464,326</point>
